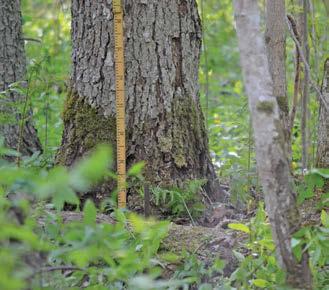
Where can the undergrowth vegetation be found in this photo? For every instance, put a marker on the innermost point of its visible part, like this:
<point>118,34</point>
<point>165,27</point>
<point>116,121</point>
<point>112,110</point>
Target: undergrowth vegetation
<point>42,249</point>
<point>184,201</point>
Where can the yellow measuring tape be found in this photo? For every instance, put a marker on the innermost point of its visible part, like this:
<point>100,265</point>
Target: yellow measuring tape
<point>120,102</point>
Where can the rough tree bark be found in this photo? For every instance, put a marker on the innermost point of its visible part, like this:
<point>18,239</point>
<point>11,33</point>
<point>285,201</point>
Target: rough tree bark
<point>323,126</point>
<point>16,127</point>
<point>271,155</point>
<point>275,39</point>
<point>164,122</point>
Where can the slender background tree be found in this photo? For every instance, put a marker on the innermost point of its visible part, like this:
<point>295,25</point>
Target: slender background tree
<point>275,39</point>
<point>323,126</point>
<point>16,117</point>
<point>271,148</point>
<point>302,23</point>
<point>326,4</point>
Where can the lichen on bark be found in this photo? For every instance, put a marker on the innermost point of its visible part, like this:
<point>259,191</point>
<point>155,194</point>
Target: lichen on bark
<point>266,106</point>
<point>16,124</point>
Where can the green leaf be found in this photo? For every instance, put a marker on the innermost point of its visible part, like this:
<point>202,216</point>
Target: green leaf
<point>170,257</point>
<point>267,243</point>
<point>322,172</point>
<point>301,233</point>
<point>206,287</point>
<point>260,283</point>
<point>91,170</point>
<point>120,216</point>
<point>89,213</point>
<point>297,250</point>
<point>314,180</point>
<point>239,256</point>
<point>324,218</point>
<point>239,227</point>
<point>64,196</point>
<point>218,265</point>
<point>304,193</point>
<point>295,242</point>
<point>136,169</point>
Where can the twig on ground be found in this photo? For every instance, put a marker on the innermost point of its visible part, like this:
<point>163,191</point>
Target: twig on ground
<point>57,268</point>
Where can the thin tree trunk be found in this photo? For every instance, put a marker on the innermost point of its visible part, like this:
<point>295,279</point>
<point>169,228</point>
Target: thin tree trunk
<point>275,38</point>
<point>164,123</point>
<point>326,4</point>
<point>323,127</point>
<point>297,80</point>
<point>16,125</point>
<point>271,154</point>
<point>302,21</point>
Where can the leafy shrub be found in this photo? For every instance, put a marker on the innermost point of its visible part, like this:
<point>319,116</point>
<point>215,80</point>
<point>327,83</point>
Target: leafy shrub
<point>259,269</point>
<point>40,250</point>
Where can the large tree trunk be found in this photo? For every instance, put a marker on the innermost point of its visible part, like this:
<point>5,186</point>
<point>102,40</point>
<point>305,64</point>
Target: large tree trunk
<point>271,154</point>
<point>275,38</point>
<point>16,127</point>
<point>164,123</point>
<point>323,127</point>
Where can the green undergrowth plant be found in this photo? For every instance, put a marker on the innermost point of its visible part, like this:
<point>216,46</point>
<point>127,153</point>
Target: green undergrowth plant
<point>314,237</point>
<point>181,202</point>
<point>315,181</point>
<point>46,29</point>
<point>42,247</point>
<point>258,267</point>
<point>195,272</point>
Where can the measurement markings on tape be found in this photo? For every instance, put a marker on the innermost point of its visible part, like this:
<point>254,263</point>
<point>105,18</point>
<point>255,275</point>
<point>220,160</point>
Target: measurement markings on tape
<point>120,102</point>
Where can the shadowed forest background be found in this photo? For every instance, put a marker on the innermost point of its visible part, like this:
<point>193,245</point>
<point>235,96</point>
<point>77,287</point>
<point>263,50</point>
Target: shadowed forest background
<point>57,233</point>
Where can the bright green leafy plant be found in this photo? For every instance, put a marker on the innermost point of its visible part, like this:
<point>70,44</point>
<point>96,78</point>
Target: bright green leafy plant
<point>40,248</point>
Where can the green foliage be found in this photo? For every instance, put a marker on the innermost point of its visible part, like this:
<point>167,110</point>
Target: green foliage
<point>118,256</point>
<point>315,239</point>
<point>38,247</point>
<point>109,254</point>
<point>314,180</point>
<point>195,272</point>
<point>48,50</point>
<point>181,202</point>
<point>224,101</point>
<point>59,184</point>
<point>258,269</point>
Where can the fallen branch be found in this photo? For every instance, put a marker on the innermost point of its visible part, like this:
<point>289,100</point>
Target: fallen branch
<point>57,268</point>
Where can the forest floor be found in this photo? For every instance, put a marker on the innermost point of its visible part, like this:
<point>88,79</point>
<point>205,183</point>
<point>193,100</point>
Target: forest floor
<point>207,238</point>
<point>207,242</point>
<point>210,238</point>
